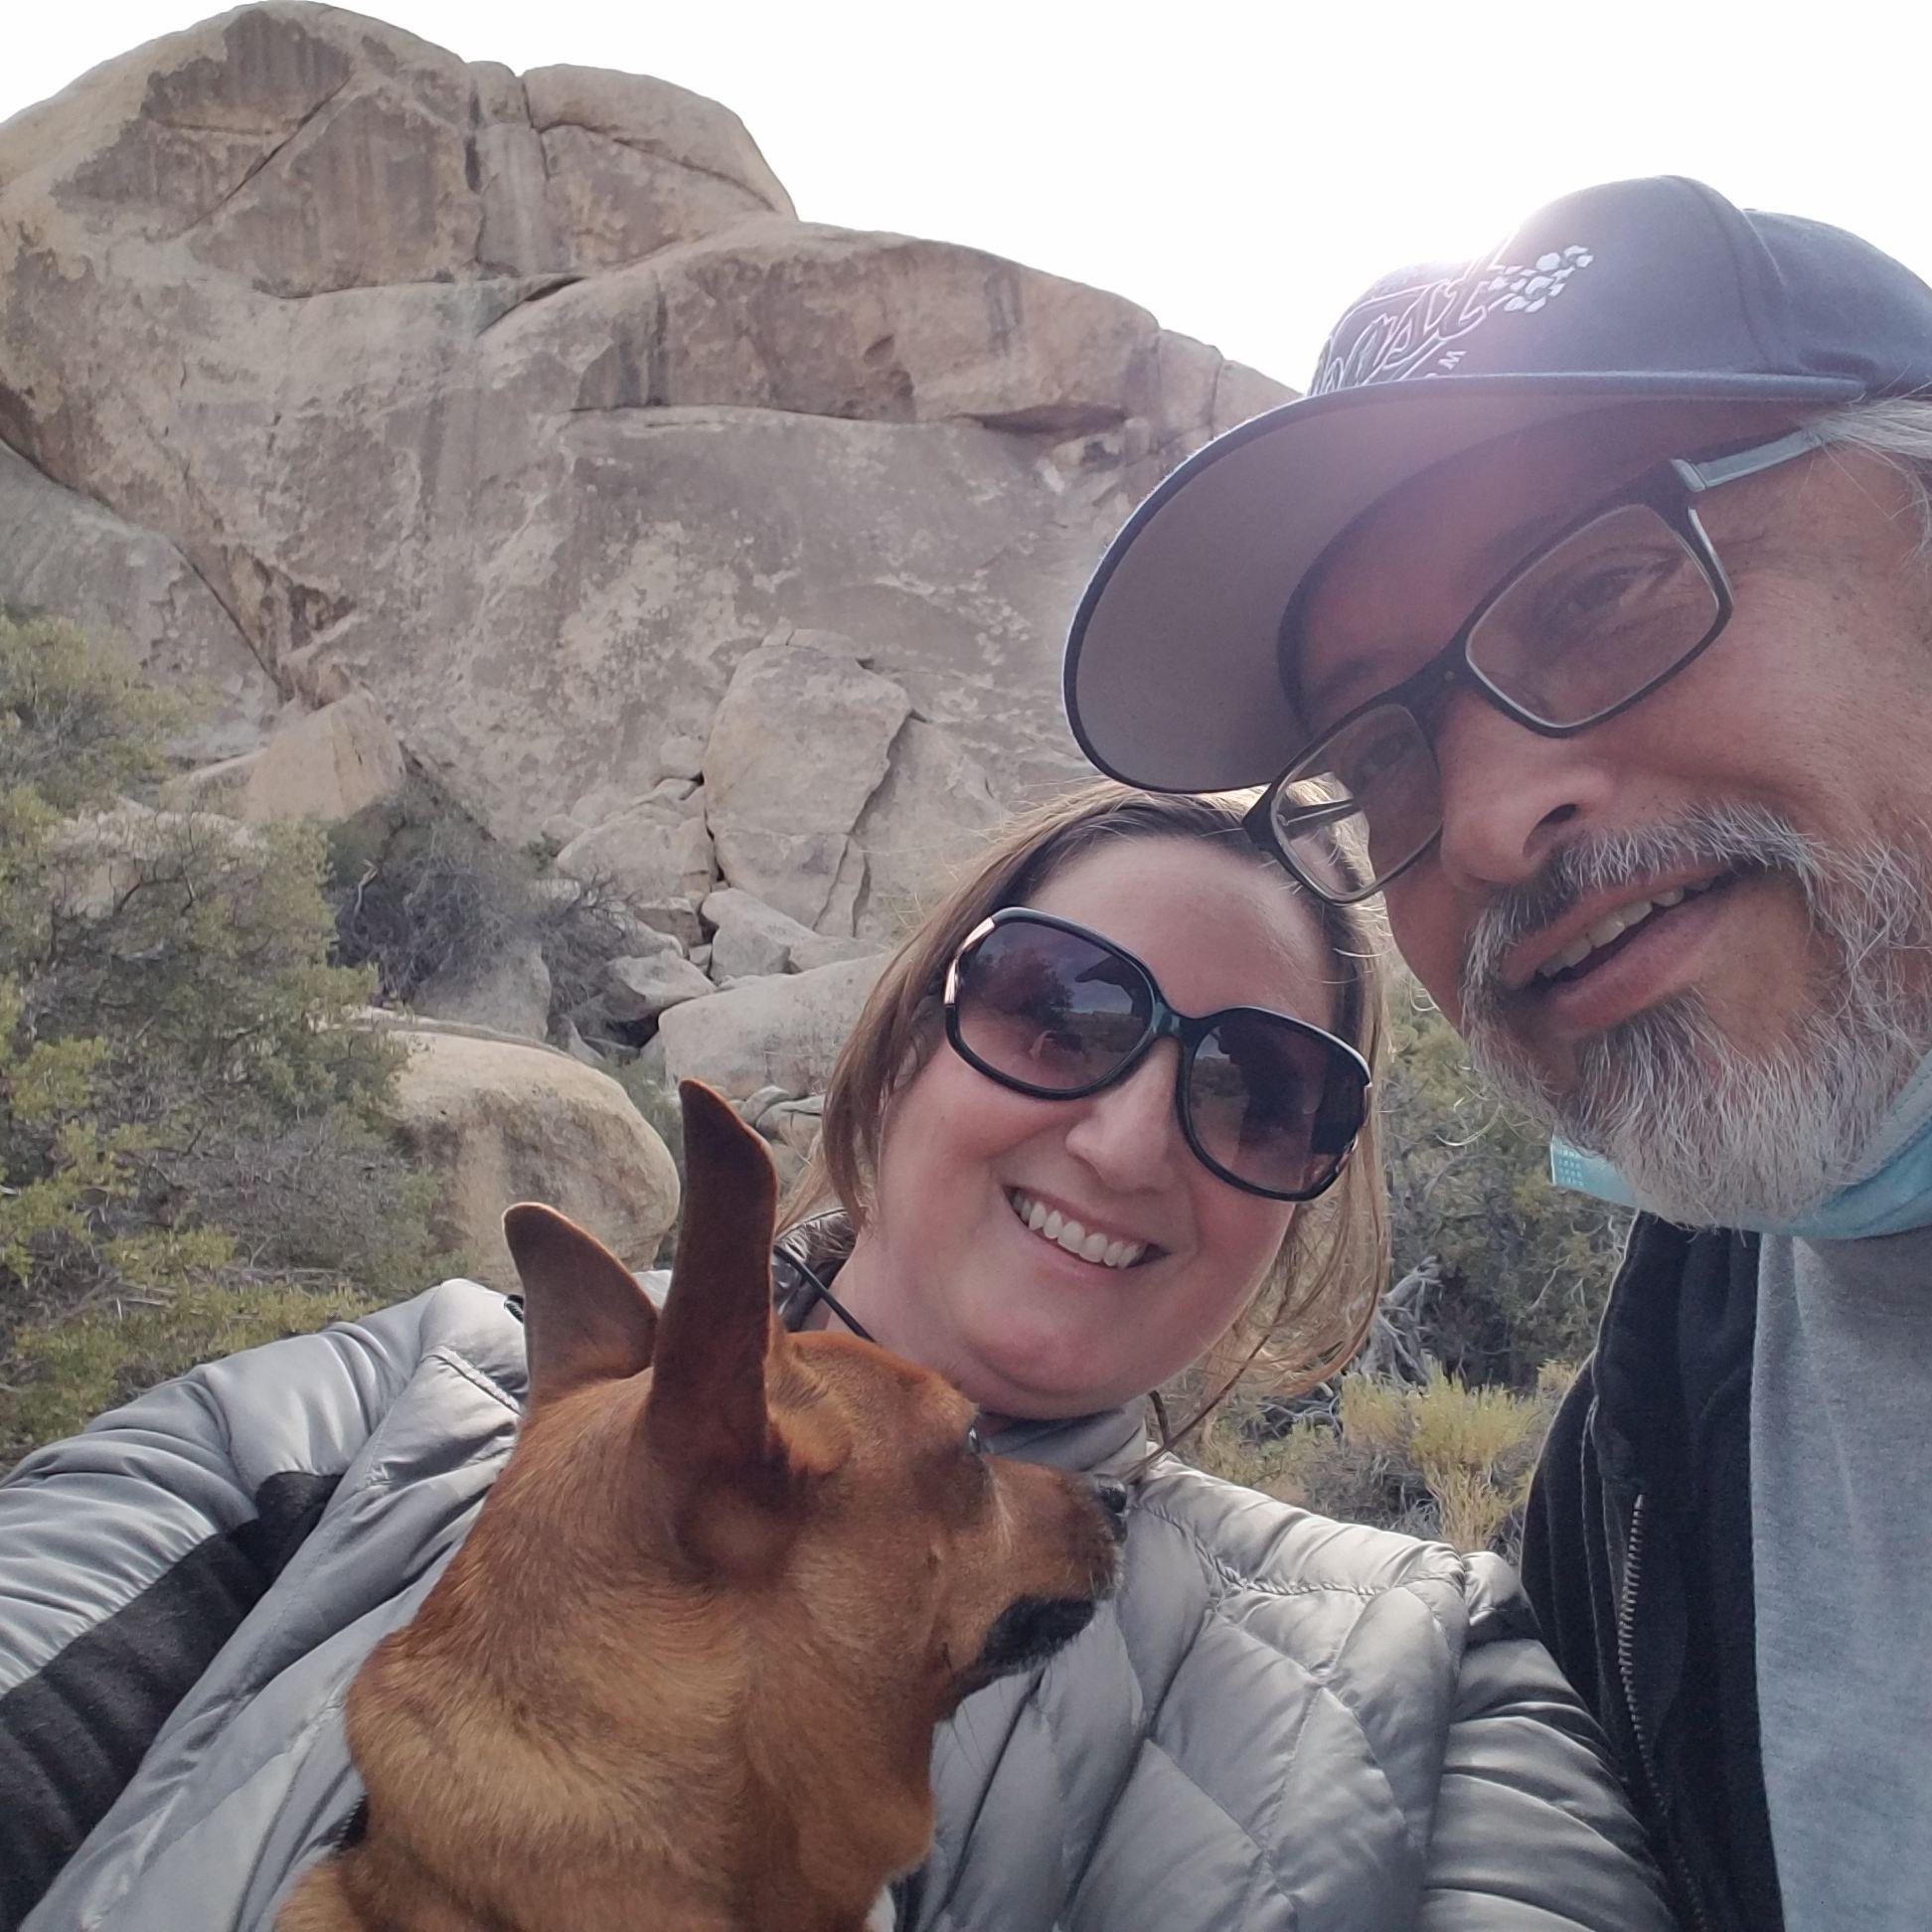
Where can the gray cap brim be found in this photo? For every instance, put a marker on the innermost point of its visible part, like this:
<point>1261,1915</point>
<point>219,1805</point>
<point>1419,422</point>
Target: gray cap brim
<point>1172,679</point>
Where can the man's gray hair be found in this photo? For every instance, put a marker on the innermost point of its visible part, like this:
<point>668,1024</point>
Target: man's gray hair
<point>1899,428</point>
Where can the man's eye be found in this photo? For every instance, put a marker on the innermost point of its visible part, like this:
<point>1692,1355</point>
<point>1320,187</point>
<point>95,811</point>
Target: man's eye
<point>1627,589</point>
<point>1361,763</point>
<point>1582,597</point>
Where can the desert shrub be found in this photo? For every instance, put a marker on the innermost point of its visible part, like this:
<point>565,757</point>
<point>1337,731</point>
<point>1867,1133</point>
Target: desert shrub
<point>1522,1267</point>
<point>583,926</point>
<point>1437,1458</point>
<point>191,1137</point>
<point>417,887</point>
<point>75,728</point>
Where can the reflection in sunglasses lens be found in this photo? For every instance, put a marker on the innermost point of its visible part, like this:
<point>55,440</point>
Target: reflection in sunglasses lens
<point>1050,1009</point>
<point>1254,1097</point>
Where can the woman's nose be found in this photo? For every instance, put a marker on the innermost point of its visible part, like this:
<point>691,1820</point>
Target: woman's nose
<point>1127,1133</point>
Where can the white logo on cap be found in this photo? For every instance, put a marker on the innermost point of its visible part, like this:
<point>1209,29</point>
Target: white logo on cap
<point>1409,332</point>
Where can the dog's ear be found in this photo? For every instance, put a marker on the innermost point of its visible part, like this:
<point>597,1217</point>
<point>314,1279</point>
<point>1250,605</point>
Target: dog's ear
<point>585,1318</point>
<point>712,1436</point>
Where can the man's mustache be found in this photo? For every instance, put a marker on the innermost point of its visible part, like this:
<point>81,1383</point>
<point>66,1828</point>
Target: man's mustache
<point>1726,839</point>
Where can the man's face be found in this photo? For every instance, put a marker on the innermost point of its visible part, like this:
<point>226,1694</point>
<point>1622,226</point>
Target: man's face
<point>1757,827</point>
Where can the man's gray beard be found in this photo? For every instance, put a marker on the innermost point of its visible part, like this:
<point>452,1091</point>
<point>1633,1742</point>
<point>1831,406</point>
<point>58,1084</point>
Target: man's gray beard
<point>1704,1132</point>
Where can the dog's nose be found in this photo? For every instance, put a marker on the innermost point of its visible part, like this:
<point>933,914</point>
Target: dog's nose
<point>1112,1496</point>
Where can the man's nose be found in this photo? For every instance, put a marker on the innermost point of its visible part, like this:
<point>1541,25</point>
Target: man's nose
<point>1510,796</point>
<point>1127,1133</point>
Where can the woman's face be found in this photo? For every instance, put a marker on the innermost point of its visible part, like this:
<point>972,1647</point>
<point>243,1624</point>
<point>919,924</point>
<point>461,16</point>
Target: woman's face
<point>948,1273</point>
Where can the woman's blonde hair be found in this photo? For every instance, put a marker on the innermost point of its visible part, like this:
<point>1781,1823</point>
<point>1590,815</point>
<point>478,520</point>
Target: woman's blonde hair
<point>1312,1313</point>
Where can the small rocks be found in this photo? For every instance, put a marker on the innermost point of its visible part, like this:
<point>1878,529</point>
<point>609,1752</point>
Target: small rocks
<point>651,853</point>
<point>677,917</point>
<point>815,950</point>
<point>641,987</point>
<point>794,1123</point>
<point>751,938</point>
<point>778,1032</point>
<point>753,1110</point>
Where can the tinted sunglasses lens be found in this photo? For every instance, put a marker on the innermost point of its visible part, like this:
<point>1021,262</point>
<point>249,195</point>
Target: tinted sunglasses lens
<point>1047,1010</point>
<point>1273,1105</point>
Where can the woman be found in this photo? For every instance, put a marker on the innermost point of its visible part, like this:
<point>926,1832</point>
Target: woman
<point>1046,1180</point>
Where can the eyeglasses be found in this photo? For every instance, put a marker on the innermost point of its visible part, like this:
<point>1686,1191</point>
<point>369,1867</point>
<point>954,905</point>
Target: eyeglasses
<point>1268,1103</point>
<point>1613,606</point>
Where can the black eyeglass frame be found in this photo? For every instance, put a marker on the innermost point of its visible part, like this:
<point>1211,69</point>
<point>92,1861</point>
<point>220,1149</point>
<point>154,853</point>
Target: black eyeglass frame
<point>1670,489</point>
<point>1165,1022</point>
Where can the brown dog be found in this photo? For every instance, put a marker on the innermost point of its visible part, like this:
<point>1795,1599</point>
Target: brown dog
<point>683,1673</point>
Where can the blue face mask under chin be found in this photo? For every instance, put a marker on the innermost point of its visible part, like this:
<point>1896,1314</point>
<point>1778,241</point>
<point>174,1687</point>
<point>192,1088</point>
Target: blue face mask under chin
<point>1893,1194</point>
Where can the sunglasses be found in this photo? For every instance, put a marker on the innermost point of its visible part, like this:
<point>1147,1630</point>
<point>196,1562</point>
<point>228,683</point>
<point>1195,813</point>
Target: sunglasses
<point>1268,1103</point>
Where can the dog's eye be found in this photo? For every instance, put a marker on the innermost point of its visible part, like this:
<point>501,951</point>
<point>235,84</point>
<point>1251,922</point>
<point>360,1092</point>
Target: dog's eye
<point>975,1442</point>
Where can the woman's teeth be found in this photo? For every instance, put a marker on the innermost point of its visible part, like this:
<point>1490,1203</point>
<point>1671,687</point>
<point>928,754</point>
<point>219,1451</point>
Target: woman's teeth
<point>1613,925</point>
<point>1105,1249</point>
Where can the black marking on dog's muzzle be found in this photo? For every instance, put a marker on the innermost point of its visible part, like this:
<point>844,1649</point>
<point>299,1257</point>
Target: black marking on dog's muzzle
<point>1030,1632</point>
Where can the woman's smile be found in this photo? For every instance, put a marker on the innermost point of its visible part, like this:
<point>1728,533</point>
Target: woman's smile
<point>1087,1240</point>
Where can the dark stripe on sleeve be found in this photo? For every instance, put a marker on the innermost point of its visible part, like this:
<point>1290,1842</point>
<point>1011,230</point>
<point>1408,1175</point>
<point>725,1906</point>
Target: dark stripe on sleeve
<point>72,1735</point>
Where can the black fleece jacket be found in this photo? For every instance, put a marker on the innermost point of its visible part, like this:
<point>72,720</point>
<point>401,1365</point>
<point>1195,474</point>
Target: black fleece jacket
<point>1637,1556</point>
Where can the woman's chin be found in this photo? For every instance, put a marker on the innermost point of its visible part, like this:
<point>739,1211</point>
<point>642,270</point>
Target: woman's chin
<point>1035,1376</point>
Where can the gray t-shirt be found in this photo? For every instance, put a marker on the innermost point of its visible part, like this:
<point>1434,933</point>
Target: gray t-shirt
<point>1842,1547</point>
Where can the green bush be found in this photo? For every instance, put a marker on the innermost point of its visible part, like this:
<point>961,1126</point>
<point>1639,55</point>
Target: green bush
<point>191,1138</point>
<point>73,1371</point>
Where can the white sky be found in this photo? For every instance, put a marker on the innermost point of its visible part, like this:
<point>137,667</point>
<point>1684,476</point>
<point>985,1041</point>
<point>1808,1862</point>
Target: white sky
<point>1241,170</point>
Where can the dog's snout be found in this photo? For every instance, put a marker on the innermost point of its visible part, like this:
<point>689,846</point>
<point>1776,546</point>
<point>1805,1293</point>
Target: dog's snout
<point>1112,1498</point>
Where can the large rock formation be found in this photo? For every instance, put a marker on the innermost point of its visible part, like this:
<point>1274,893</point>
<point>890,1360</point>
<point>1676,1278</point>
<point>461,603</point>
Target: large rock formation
<point>516,430</point>
<point>527,405</point>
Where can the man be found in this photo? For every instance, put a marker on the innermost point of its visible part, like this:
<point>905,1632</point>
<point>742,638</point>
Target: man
<point>1592,580</point>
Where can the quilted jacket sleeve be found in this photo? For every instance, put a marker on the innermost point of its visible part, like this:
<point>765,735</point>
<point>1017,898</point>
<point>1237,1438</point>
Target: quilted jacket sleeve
<point>1532,1828</point>
<point>131,1552</point>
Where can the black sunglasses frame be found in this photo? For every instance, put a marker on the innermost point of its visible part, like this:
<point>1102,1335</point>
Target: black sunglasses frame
<point>1165,1022</point>
<point>1670,489</point>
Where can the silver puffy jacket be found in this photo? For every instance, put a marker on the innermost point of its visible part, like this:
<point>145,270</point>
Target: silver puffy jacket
<point>1281,1723</point>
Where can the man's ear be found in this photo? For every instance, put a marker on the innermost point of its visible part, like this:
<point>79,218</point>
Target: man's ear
<point>710,1424</point>
<point>585,1318</point>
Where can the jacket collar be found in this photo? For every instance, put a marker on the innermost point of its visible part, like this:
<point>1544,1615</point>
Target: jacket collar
<point>1681,1308</point>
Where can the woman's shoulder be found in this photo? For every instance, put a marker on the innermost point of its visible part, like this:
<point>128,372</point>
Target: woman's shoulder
<point>331,1468</point>
<point>306,1404</point>
<point>1242,1541</point>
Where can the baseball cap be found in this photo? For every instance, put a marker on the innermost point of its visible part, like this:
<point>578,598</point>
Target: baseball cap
<point>1637,290</point>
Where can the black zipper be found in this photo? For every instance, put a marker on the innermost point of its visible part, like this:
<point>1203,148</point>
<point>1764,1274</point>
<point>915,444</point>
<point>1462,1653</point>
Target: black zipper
<point>1626,1671</point>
